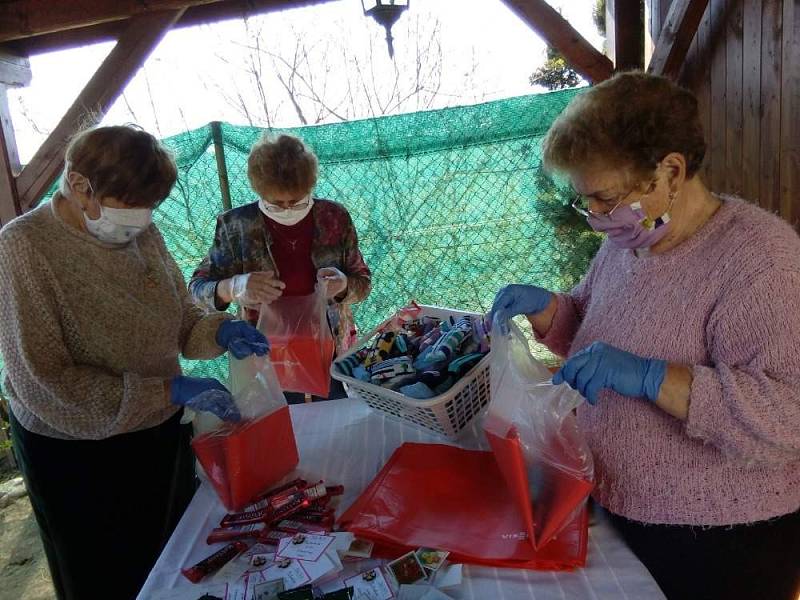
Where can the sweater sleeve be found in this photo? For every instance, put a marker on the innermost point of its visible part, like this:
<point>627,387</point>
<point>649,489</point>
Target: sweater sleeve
<point>81,401</point>
<point>359,277</point>
<point>199,327</point>
<point>570,310</point>
<point>748,402</point>
<point>217,265</point>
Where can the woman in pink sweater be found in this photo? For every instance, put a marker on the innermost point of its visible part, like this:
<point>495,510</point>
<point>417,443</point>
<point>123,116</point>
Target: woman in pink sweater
<point>684,337</point>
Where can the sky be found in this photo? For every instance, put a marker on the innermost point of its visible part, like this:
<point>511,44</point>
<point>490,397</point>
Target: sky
<point>319,64</point>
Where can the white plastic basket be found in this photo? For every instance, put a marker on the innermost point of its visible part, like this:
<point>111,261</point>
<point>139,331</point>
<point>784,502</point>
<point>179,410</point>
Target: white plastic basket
<point>447,414</point>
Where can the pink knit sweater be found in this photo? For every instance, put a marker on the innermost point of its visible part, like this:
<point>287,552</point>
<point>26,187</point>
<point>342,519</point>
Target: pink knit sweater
<point>726,302</point>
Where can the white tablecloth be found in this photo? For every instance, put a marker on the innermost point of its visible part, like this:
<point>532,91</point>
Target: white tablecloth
<point>344,441</point>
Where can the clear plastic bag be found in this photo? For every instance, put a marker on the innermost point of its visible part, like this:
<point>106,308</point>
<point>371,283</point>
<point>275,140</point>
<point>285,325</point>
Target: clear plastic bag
<point>254,386</point>
<point>539,416</point>
<point>301,342</point>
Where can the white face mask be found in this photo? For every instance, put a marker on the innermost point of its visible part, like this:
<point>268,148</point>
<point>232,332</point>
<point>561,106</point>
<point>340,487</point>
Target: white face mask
<point>119,226</point>
<point>287,216</point>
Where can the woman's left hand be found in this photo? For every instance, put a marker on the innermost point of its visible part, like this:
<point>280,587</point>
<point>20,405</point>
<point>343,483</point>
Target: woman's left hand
<point>602,366</point>
<point>335,280</point>
<point>242,339</point>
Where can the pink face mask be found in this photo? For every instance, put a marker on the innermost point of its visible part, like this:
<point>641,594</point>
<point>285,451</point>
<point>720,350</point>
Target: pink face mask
<point>627,226</point>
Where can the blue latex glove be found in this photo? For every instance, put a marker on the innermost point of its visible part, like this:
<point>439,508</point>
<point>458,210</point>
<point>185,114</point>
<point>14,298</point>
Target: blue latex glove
<point>601,366</point>
<point>242,339</point>
<point>515,300</point>
<point>204,394</point>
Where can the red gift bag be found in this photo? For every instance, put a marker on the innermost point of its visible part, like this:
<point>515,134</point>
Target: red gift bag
<point>301,342</point>
<point>520,505</point>
<point>244,459</point>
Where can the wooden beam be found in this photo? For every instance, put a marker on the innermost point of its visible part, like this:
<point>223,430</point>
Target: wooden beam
<point>626,35</point>
<point>111,30</point>
<point>558,33</point>
<point>134,46</point>
<point>676,36</point>
<point>15,70</point>
<point>24,18</point>
<point>9,163</point>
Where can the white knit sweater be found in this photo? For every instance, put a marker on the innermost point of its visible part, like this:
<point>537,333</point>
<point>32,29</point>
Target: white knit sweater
<point>89,333</point>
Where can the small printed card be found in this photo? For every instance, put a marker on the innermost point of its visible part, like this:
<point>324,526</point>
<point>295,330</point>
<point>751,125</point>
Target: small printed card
<point>317,569</point>
<point>359,549</point>
<point>304,546</point>
<point>407,569</point>
<point>370,585</point>
<point>431,558</point>
<point>267,590</point>
<point>290,571</point>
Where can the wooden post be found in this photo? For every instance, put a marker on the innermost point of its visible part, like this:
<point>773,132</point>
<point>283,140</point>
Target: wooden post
<point>9,164</point>
<point>15,71</point>
<point>558,33</point>
<point>222,167</point>
<point>625,33</point>
<point>676,36</point>
<point>134,46</point>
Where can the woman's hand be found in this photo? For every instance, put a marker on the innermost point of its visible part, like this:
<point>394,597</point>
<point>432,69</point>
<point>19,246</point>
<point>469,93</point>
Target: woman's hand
<point>241,339</point>
<point>601,366</point>
<point>515,299</point>
<point>251,289</point>
<point>204,394</point>
<point>335,280</point>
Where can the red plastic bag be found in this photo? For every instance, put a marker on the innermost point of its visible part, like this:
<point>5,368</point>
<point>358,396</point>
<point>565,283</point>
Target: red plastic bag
<point>301,343</point>
<point>243,459</point>
<point>454,499</point>
<point>522,505</point>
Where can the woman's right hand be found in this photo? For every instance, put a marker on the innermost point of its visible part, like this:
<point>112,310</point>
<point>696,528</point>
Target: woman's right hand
<point>204,394</point>
<point>516,299</point>
<point>253,289</point>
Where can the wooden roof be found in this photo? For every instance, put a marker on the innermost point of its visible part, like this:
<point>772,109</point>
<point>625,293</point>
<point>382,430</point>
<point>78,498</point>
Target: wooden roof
<point>34,26</point>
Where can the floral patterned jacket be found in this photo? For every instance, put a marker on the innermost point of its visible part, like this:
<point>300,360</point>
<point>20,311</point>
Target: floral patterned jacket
<point>242,242</point>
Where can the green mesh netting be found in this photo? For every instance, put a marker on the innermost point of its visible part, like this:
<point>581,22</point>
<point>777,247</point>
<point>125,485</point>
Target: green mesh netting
<point>449,205</point>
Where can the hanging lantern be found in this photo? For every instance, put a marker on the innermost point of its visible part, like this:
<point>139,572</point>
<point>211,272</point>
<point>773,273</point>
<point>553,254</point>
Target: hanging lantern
<point>386,13</point>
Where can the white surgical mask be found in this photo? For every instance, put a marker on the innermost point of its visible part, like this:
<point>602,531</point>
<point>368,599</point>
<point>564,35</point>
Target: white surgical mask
<point>119,226</point>
<point>287,216</point>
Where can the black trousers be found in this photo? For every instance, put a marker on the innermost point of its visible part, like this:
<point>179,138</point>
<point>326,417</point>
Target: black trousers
<point>105,508</point>
<point>757,561</point>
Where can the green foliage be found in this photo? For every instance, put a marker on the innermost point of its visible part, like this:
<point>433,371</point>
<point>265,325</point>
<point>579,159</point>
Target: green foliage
<point>555,74</point>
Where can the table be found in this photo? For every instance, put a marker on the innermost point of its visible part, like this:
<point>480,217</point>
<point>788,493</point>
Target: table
<point>344,441</point>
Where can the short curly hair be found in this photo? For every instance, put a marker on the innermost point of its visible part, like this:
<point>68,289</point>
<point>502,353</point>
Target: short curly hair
<point>283,163</point>
<point>632,120</point>
<point>124,162</point>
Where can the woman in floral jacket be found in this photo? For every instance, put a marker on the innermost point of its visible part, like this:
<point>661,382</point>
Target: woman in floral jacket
<point>282,244</point>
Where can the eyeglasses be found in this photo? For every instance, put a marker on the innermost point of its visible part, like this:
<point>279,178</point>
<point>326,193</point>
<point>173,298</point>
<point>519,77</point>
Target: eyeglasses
<point>297,206</point>
<point>581,203</point>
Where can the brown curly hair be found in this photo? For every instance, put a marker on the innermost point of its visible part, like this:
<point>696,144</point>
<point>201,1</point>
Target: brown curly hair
<point>123,162</point>
<point>283,163</point>
<point>630,121</point>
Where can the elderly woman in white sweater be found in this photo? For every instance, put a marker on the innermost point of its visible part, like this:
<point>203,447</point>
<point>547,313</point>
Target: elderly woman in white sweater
<point>93,316</point>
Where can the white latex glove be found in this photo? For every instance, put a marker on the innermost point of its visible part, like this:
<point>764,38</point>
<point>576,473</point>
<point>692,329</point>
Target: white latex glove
<point>258,287</point>
<point>335,280</point>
